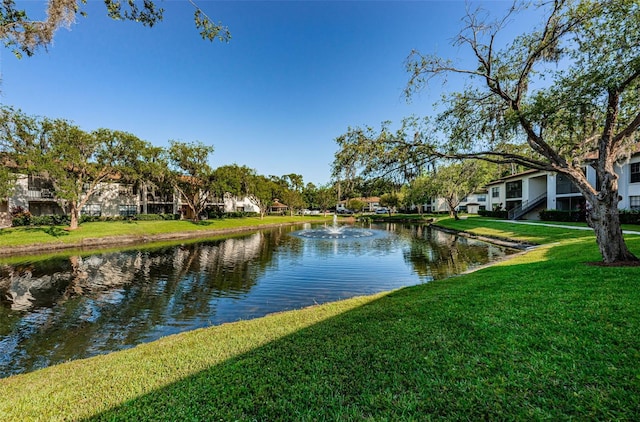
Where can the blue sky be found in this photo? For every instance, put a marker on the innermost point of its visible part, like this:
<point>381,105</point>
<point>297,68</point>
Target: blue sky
<point>295,75</point>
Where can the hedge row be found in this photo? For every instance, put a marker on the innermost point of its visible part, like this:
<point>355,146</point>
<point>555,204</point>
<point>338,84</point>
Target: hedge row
<point>566,216</point>
<point>630,217</point>
<point>626,216</point>
<point>494,214</point>
<point>26,219</point>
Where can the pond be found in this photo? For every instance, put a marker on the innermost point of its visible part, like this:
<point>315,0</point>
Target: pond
<point>75,306</point>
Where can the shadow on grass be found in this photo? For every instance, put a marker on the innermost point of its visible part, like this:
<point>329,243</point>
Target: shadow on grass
<point>550,339</point>
<point>204,223</point>
<point>54,231</point>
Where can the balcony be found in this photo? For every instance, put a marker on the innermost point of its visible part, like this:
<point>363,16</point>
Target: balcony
<point>40,194</point>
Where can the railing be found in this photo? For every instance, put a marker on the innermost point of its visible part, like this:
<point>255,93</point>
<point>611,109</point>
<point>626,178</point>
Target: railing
<point>40,194</point>
<point>526,206</point>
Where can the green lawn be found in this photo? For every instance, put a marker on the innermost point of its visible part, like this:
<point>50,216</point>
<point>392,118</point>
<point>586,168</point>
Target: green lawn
<point>20,236</point>
<point>541,336</point>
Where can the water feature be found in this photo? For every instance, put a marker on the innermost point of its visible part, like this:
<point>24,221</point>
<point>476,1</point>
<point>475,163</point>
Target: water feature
<point>79,305</point>
<point>336,231</point>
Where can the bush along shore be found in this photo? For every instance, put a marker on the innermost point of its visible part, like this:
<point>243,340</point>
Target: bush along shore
<point>543,335</point>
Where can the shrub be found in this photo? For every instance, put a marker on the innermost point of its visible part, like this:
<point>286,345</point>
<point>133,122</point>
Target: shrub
<point>49,220</point>
<point>20,217</point>
<point>630,217</point>
<point>148,217</point>
<point>566,216</point>
<point>494,214</point>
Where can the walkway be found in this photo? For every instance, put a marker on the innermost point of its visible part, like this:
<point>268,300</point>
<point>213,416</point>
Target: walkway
<point>560,226</point>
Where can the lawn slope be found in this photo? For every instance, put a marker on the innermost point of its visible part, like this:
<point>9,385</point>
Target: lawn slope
<point>541,336</point>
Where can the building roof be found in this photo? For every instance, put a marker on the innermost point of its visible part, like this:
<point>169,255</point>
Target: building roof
<point>513,176</point>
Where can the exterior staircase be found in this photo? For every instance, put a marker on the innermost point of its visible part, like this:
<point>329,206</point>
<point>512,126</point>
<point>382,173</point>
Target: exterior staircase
<point>526,206</point>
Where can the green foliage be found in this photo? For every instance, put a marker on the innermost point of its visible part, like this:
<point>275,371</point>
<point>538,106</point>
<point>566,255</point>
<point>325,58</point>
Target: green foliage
<point>23,35</point>
<point>383,154</point>
<point>456,180</point>
<point>557,215</point>
<point>261,192</point>
<point>231,179</point>
<point>20,217</point>
<point>630,217</point>
<point>325,198</point>
<point>7,181</point>
<point>191,173</point>
<point>356,205</point>
<point>209,30</point>
<point>494,214</point>
<point>626,216</point>
<point>390,200</point>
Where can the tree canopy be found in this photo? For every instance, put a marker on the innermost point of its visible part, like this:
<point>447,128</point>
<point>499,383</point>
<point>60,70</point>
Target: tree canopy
<point>24,36</point>
<point>560,97</point>
<point>191,174</point>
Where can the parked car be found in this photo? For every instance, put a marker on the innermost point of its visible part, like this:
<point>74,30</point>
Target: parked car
<point>382,211</point>
<point>344,211</point>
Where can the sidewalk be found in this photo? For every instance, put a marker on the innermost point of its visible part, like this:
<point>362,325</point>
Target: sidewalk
<point>560,226</point>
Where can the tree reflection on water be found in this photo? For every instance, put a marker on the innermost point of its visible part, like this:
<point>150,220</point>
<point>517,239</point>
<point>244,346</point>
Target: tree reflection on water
<point>85,304</point>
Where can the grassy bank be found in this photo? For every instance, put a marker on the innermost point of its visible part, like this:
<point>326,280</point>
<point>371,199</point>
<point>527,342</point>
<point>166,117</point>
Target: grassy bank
<point>20,236</point>
<point>541,336</point>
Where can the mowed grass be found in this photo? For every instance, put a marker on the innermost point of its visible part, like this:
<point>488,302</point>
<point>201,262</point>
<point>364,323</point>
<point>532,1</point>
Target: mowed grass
<point>542,336</point>
<point>19,236</point>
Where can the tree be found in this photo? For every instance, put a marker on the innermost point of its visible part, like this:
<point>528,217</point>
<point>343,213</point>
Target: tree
<point>231,181</point>
<point>24,36</point>
<point>291,192</point>
<point>325,198</point>
<point>569,90</point>
<point>356,205</point>
<point>7,183</point>
<point>260,192</point>
<point>417,193</point>
<point>77,163</point>
<point>584,112</point>
<point>191,174</point>
<point>457,180</point>
<point>390,201</point>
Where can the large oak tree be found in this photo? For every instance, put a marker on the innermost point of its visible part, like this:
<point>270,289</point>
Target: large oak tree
<point>568,91</point>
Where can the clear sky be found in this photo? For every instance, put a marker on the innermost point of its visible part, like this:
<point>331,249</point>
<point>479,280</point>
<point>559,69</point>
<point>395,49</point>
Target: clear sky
<point>295,75</point>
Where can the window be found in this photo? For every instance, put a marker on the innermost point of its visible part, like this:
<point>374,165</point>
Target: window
<point>634,202</point>
<point>514,189</point>
<point>128,210</point>
<point>93,210</point>
<point>38,183</point>
<point>482,198</point>
<point>571,203</point>
<point>635,172</point>
<point>495,192</point>
<point>565,185</point>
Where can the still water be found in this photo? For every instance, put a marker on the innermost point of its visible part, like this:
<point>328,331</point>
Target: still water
<point>71,307</point>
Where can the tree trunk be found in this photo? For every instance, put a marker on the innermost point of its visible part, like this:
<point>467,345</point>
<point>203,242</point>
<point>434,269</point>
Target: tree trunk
<point>604,218</point>
<point>74,215</point>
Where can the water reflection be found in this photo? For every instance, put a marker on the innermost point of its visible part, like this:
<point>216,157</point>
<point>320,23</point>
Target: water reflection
<point>72,307</point>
